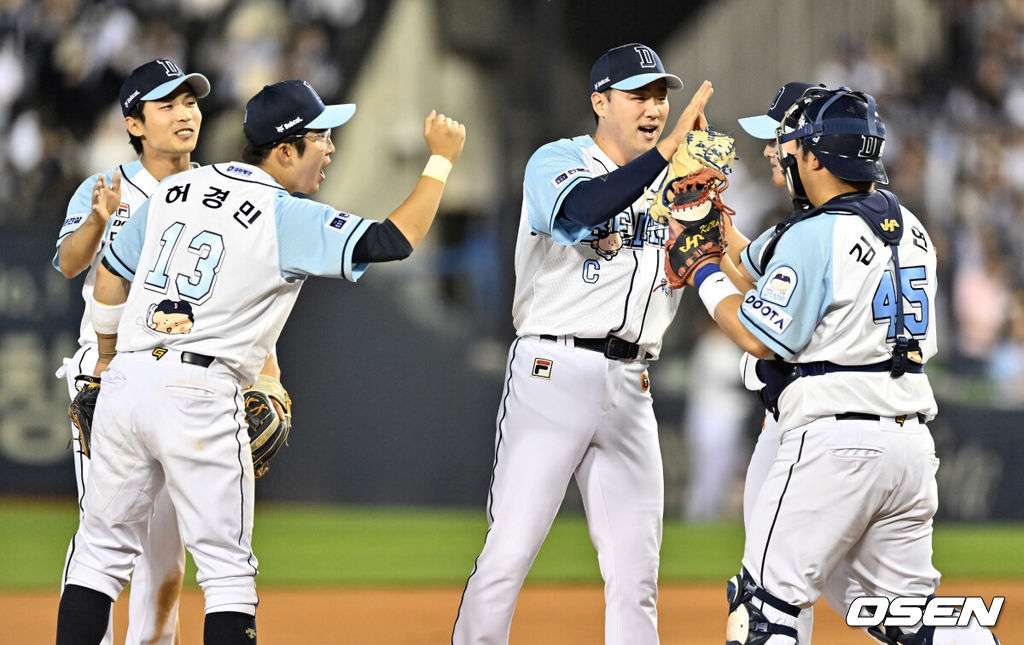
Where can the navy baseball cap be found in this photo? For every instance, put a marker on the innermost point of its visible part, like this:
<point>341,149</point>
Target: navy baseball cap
<point>629,67</point>
<point>843,129</point>
<point>289,107</point>
<point>763,126</point>
<point>157,79</point>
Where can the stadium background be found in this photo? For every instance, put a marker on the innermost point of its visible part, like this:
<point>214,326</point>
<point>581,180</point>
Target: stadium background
<point>396,382</point>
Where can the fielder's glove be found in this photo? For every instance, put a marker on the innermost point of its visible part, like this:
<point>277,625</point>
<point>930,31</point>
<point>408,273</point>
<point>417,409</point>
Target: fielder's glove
<point>82,408</point>
<point>695,178</point>
<point>690,194</point>
<point>690,243</point>
<point>268,430</point>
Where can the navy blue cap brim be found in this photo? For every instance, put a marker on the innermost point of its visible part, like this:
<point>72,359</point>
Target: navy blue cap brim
<point>200,87</point>
<point>760,127</point>
<point>635,82</point>
<point>332,116</point>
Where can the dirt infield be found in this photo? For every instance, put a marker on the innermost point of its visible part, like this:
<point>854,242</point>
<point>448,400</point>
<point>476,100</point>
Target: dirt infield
<point>693,614</point>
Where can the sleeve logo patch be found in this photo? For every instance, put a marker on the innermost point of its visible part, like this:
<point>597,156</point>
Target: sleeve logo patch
<point>72,220</point>
<point>562,177</point>
<point>779,287</point>
<point>339,221</point>
<point>765,312</point>
<point>239,171</point>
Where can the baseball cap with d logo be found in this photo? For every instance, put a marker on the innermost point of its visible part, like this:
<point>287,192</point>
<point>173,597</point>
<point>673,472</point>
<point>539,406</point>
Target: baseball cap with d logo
<point>287,108</point>
<point>764,125</point>
<point>157,79</point>
<point>629,67</point>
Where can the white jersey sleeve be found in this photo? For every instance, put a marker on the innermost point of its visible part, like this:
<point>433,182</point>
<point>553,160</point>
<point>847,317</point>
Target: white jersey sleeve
<point>828,294</point>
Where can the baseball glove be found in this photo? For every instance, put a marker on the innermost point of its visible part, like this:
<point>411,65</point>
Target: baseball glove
<point>268,430</point>
<point>696,177</point>
<point>691,242</point>
<point>82,408</point>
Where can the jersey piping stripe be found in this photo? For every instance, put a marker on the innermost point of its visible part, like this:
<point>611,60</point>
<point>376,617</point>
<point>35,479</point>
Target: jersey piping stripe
<point>122,263</point>
<point>767,335</point>
<point>653,286</point>
<point>81,453</point>
<point>501,421</point>
<point>750,263</point>
<point>241,476</point>
<point>462,598</point>
<point>494,467</point>
<point>124,176</point>
<point>248,181</point>
<point>778,509</point>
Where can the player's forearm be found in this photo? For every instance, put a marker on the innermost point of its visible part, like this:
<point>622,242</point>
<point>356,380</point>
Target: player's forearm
<point>598,200</point>
<point>736,242</point>
<point>738,275</point>
<point>78,249</point>
<point>415,215</point>
<point>111,290</point>
<point>726,315</point>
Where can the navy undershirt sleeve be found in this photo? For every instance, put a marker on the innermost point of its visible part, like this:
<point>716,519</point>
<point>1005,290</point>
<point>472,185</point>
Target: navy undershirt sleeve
<point>596,201</point>
<point>382,242</point>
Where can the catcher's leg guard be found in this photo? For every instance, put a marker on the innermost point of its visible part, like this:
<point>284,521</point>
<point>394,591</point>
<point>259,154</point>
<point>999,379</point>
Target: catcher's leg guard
<point>747,623</point>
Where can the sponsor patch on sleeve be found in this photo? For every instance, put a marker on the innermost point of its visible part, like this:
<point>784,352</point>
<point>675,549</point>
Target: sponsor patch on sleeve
<point>778,289</point>
<point>339,221</point>
<point>563,176</point>
<point>74,219</point>
<point>766,313</point>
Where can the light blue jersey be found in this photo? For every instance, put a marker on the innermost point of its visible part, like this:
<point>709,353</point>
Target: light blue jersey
<point>217,257</point>
<point>828,294</point>
<point>574,280</point>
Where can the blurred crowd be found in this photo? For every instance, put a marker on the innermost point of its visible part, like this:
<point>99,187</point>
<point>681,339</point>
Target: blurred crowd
<point>955,152</point>
<point>955,156</point>
<point>62,63</point>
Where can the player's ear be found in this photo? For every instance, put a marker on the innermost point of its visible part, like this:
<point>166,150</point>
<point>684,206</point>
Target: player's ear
<point>133,126</point>
<point>599,102</point>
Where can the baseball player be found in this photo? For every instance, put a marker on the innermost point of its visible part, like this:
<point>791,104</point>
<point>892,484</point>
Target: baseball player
<point>842,315</point>
<point>232,241</point>
<point>162,117</point>
<point>590,311</point>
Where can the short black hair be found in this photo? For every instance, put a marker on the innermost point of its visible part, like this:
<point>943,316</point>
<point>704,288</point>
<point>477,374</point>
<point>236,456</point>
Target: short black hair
<point>136,113</point>
<point>255,155</point>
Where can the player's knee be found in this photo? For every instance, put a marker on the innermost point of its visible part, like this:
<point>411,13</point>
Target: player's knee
<point>756,617</point>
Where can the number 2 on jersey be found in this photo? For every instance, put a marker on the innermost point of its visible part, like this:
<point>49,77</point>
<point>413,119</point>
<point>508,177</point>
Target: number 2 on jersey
<point>208,248</point>
<point>883,306</point>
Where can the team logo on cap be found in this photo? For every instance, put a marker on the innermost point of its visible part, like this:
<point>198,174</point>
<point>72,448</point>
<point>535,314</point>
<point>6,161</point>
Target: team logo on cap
<point>284,126</point>
<point>646,57</point>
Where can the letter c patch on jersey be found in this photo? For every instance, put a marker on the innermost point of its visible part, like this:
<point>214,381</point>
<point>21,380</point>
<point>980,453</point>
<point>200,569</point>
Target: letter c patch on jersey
<point>779,287</point>
<point>542,367</point>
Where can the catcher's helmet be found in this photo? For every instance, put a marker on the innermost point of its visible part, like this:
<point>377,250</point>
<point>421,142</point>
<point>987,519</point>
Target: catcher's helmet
<point>843,130</point>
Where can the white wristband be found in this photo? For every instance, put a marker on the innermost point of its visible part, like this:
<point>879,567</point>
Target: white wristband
<point>437,168</point>
<point>716,288</point>
<point>106,317</point>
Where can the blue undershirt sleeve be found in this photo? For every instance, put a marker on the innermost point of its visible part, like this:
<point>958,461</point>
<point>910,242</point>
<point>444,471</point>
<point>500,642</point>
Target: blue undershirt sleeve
<point>597,200</point>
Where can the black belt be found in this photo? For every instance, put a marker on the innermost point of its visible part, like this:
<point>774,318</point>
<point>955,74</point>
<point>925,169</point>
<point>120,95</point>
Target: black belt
<point>610,346</point>
<point>202,360</point>
<point>874,417</point>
